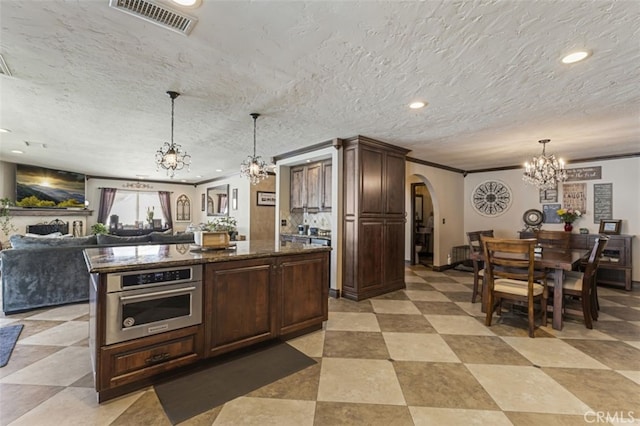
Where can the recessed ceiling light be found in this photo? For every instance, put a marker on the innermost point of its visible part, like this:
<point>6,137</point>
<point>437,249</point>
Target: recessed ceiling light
<point>188,3</point>
<point>198,176</point>
<point>17,151</point>
<point>575,56</point>
<point>5,130</point>
<point>183,180</point>
<point>417,105</point>
<point>218,170</point>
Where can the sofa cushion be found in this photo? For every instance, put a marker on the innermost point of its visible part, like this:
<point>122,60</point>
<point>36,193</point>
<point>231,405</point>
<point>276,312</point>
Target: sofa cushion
<point>161,237</point>
<point>115,239</point>
<point>21,241</point>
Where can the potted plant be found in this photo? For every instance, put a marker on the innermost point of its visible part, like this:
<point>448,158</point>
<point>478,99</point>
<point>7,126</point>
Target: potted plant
<point>568,216</point>
<point>227,224</point>
<point>99,228</point>
<point>6,226</point>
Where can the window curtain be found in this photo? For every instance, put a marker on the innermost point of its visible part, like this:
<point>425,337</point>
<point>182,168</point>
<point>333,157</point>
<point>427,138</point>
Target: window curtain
<point>107,196</point>
<point>165,203</point>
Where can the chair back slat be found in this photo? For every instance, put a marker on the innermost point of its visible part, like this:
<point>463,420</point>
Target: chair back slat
<point>554,240</point>
<point>594,257</point>
<point>512,259</point>
<point>475,244</point>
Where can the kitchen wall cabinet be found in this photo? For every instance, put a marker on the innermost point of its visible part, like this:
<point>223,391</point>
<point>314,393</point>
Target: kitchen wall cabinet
<point>309,187</point>
<point>374,218</point>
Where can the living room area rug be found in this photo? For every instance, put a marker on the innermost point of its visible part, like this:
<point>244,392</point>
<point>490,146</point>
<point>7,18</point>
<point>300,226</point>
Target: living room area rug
<point>8,337</point>
<point>197,392</point>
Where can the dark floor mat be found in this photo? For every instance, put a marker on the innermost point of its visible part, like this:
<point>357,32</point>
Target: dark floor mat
<point>8,338</point>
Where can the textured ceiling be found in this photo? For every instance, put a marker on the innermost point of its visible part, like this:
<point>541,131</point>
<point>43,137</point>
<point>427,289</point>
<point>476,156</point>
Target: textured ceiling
<point>89,81</point>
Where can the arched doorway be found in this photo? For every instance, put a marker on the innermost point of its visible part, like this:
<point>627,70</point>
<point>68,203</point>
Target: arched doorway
<point>424,226</point>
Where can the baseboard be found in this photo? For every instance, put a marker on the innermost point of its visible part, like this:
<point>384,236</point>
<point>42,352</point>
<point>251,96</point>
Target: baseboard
<point>335,293</point>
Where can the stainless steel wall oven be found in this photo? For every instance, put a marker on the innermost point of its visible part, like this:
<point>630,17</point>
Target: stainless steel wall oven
<point>142,303</point>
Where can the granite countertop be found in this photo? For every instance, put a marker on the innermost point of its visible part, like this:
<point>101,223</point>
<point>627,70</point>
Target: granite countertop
<point>128,258</point>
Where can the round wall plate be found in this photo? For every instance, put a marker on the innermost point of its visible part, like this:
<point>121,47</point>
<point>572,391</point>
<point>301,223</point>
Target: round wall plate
<point>491,198</point>
<point>533,217</point>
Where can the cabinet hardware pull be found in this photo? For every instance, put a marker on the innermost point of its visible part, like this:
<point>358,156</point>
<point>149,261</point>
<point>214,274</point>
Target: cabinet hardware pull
<point>157,293</point>
<point>157,358</point>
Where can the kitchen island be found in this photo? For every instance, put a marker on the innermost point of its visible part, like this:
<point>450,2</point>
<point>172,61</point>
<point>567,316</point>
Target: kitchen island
<point>157,310</point>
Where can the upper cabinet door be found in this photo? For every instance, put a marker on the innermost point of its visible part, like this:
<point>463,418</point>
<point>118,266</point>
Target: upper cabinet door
<point>372,197</point>
<point>394,184</point>
<point>314,183</point>
<point>297,188</point>
<point>326,185</point>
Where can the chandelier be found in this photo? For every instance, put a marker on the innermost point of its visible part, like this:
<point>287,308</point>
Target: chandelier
<point>171,156</point>
<point>544,171</point>
<point>254,167</point>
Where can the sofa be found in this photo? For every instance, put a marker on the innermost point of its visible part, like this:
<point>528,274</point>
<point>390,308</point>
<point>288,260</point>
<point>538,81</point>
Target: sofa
<point>39,272</point>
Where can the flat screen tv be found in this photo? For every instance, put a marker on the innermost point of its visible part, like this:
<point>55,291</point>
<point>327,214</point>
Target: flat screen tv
<point>42,187</point>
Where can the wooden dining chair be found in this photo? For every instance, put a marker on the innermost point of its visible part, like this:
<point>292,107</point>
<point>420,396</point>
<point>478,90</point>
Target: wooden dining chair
<point>554,240</point>
<point>583,285</point>
<point>510,274</point>
<point>475,246</point>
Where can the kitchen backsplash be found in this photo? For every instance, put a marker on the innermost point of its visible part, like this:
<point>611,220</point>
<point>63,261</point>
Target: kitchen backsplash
<point>320,220</point>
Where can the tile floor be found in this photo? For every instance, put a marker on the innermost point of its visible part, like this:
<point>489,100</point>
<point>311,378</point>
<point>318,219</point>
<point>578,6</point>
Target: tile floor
<point>421,356</point>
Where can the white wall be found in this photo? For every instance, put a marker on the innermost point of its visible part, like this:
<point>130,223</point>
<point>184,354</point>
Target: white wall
<point>242,214</point>
<point>447,190</point>
<point>624,174</point>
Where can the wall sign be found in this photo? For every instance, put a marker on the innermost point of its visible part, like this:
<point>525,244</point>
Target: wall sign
<point>549,212</point>
<point>491,198</point>
<point>584,173</point>
<point>602,201</point>
<point>574,196</point>
<point>548,196</point>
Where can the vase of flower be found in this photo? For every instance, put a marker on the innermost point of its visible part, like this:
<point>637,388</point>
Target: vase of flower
<point>568,216</point>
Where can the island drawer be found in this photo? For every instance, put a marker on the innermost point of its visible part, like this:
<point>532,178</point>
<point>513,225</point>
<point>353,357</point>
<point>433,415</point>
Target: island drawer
<point>138,359</point>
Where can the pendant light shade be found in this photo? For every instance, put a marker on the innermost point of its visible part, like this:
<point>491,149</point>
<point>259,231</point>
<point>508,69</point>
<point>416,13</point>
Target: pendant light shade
<point>171,157</point>
<point>254,167</point>
<point>545,172</point>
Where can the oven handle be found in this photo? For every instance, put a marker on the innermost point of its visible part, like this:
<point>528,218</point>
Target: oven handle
<point>158,293</point>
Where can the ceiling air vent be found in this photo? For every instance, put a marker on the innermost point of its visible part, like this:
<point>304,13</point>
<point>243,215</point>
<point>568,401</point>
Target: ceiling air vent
<point>157,14</point>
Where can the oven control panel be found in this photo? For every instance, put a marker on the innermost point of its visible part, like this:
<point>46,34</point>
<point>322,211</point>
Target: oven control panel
<point>155,277</point>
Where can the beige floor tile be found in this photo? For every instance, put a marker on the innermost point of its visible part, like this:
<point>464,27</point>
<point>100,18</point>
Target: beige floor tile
<point>429,416</point>
<point>458,324</point>
<point>527,389</point>
<point>25,355</point>
<point>352,321</point>
<point>263,411</point>
<point>439,308</point>
<point>635,344</point>
<point>602,390</point>
<point>336,413</point>
<point>484,350</point>
<point>76,406</point>
<point>346,305</point>
<point>302,385</point>
<point>451,287</point>
<point>16,400</point>
<point>65,334</point>
<point>402,323</point>
<point>573,330</point>
<point>614,354</point>
<point>394,307</point>
<point>633,375</point>
<point>473,309</point>
<point>359,381</point>
<point>59,369</point>
<point>309,344</point>
<point>414,279</point>
<point>418,347</point>
<point>145,410</point>
<point>538,419</point>
<point>552,353</point>
<point>425,272</point>
<point>6,321</point>
<point>442,385</point>
<point>429,296</point>
<point>33,327</point>
<point>63,313</point>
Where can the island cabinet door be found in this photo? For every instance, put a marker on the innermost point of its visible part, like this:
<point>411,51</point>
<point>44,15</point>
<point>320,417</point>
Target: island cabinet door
<point>239,304</point>
<point>303,286</point>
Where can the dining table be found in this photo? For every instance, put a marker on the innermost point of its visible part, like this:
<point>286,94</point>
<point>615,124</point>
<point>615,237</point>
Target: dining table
<point>556,260</point>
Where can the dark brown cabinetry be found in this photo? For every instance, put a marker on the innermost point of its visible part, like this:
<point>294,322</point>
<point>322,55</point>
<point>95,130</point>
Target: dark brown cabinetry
<point>309,187</point>
<point>374,218</point>
<point>245,301</point>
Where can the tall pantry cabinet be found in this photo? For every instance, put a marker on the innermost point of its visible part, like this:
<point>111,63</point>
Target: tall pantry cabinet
<point>374,218</point>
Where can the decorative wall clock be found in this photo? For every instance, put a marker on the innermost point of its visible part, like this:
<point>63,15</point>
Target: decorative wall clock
<point>532,219</point>
<point>491,198</point>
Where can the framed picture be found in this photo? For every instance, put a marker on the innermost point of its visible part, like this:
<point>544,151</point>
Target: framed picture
<point>266,198</point>
<point>157,223</point>
<point>234,199</point>
<point>610,226</point>
<point>548,196</point>
<point>549,213</point>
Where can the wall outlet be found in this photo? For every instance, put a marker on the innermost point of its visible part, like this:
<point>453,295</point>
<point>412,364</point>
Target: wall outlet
<point>443,221</point>
<point>283,222</point>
